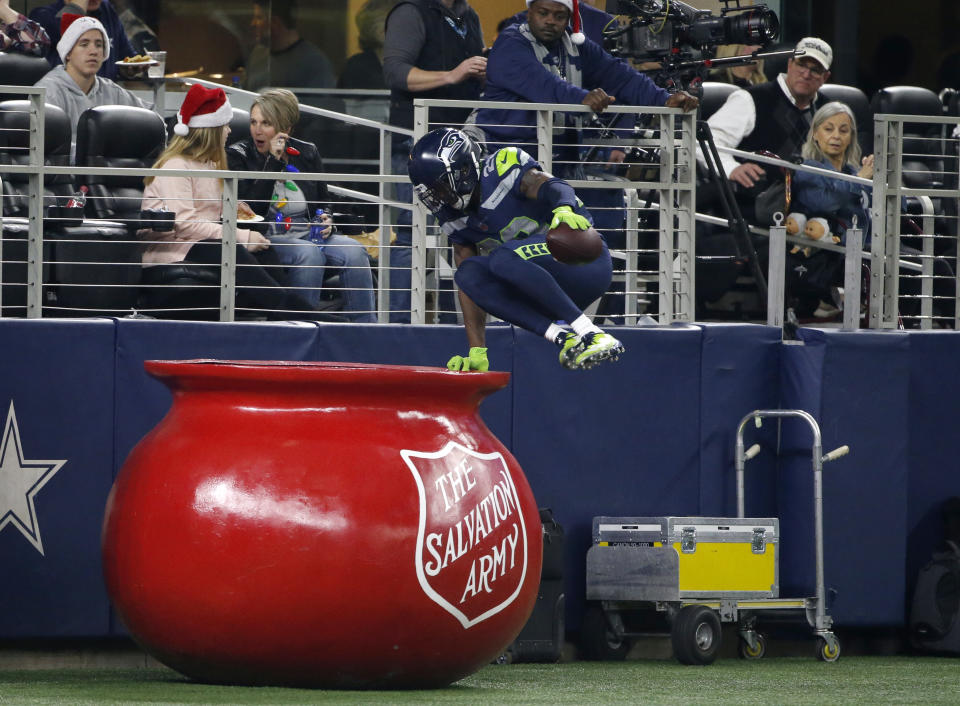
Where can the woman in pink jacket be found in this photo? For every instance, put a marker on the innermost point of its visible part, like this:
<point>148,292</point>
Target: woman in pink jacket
<point>201,134</point>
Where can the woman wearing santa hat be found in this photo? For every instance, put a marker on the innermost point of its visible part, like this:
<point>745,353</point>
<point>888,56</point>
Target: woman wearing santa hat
<point>200,136</point>
<point>75,85</point>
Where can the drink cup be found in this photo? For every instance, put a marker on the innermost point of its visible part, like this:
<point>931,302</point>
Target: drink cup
<point>161,58</point>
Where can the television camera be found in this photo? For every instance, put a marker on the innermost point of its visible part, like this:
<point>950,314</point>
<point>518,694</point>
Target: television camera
<point>682,40</point>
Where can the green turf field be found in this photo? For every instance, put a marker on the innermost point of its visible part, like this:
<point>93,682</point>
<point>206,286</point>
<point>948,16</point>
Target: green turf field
<point>788,680</point>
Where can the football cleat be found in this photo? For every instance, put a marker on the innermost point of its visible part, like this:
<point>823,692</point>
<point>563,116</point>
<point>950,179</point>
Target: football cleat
<point>567,342</point>
<point>593,348</point>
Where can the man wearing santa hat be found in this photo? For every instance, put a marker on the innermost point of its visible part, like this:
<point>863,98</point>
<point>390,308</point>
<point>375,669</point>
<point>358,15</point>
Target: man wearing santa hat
<point>75,85</point>
<point>549,60</point>
<point>51,16</point>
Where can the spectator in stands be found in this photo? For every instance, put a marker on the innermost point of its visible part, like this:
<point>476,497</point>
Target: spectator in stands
<point>432,49</point>
<point>289,60</point>
<point>50,16</point>
<point>832,144</point>
<point>774,116</point>
<point>75,85</point>
<point>288,206</point>
<point>201,133</point>
<point>594,21</point>
<point>744,75</point>
<point>21,35</point>
<point>510,274</point>
<point>365,69</point>
<point>540,63</point>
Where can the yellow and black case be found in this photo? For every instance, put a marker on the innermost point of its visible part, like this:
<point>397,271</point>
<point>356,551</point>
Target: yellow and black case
<point>673,558</point>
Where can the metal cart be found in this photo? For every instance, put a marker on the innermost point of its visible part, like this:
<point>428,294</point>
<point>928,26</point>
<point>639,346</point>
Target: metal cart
<point>635,574</point>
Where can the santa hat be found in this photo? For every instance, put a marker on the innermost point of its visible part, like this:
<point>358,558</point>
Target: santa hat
<point>578,36</point>
<point>203,107</point>
<point>72,27</point>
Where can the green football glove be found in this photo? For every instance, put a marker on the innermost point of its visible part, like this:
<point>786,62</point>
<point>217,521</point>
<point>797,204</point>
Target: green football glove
<point>565,214</point>
<point>476,359</point>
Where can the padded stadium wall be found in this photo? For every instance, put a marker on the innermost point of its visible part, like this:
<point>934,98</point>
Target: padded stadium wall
<point>650,435</point>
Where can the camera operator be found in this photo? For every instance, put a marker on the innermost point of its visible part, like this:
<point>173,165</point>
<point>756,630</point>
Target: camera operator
<point>539,62</point>
<point>773,116</point>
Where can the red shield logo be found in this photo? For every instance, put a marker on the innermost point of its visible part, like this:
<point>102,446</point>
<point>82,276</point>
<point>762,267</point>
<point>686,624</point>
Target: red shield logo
<point>472,541</point>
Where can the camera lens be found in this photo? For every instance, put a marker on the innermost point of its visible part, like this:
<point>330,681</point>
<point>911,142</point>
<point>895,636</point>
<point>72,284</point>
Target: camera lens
<point>757,26</point>
<point>753,27</point>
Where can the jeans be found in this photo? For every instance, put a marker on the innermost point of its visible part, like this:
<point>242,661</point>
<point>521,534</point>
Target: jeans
<point>304,263</point>
<point>349,258</point>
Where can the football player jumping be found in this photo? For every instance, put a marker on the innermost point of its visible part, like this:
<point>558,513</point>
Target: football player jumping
<point>496,211</point>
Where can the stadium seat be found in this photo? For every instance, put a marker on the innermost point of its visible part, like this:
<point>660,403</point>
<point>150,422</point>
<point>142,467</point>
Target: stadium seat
<point>118,136</point>
<point>21,70</point>
<point>857,100</point>
<point>715,93</point>
<point>239,126</point>
<point>923,163</point>
<point>14,150</point>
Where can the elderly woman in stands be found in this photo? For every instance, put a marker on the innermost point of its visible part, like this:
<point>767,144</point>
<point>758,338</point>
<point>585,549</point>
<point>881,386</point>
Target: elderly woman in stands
<point>21,35</point>
<point>290,206</point>
<point>201,134</point>
<point>74,85</point>
<point>832,145</point>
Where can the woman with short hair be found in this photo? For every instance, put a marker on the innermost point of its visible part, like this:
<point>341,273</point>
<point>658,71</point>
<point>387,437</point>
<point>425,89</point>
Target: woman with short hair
<point>289,205</point>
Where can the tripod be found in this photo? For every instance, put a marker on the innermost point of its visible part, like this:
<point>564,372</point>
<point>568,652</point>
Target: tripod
<point>735,220</point>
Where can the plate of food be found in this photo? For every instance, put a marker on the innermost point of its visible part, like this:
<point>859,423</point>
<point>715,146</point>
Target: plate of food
<point>140,60</point>
<point>247,218</point>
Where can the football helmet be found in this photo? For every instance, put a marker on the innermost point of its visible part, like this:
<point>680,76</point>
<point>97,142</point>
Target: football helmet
<point>444,167</point>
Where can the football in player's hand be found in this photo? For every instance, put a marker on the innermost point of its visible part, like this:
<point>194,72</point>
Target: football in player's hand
<point>574,247</point>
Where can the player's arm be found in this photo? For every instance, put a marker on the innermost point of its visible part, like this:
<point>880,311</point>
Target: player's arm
<point>557,194</point>
<point>474,318</point>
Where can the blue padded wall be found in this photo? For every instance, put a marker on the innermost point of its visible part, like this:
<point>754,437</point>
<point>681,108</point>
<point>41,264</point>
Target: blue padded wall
<point>650,435</point>
<point>620,439</point>
<point>739,373</point>
<point>932,418</point>
<point>856,385</point>
<point>59,377</point>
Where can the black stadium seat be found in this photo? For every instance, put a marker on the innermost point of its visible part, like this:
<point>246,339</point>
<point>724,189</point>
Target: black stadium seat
<point>239,126</point>
<point>21,70</point>
<point>97,266</point>
<point>857,100</point>
<point>14,146</point>
<point>924,164</point>
<point>118,136</point>
<point>922,143</point>
<point>715,94</point>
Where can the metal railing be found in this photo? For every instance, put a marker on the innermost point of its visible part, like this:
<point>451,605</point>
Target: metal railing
<point>654,248</point>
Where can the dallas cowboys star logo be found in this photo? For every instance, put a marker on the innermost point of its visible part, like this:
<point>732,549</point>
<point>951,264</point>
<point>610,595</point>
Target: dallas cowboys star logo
<point>20,481</point>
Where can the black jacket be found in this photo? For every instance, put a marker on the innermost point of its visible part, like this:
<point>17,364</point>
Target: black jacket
<point>243,156</point>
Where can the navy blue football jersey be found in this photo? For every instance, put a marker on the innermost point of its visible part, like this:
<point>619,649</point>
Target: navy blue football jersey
<point>504,213</point>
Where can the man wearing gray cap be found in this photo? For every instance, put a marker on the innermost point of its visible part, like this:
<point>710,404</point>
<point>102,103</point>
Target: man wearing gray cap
<point>772,116</point>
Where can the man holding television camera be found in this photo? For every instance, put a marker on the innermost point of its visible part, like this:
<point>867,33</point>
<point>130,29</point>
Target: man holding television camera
<point>540,62</point>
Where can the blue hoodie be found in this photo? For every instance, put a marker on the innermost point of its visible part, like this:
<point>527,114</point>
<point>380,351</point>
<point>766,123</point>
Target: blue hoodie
<point>514,74</point>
